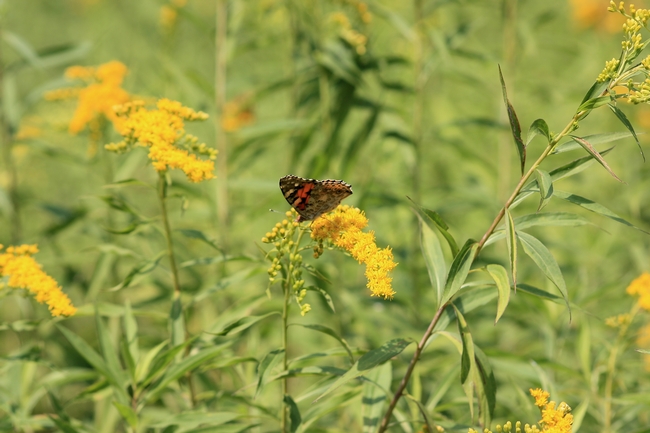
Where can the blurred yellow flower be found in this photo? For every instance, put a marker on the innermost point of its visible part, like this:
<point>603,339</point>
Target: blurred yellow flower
<point>24,272</point>
<point>236,114</point>
<point>344,228</point>
<point>641,287</point>
<point>593,13</point>
<point>96,100</point>
<point>643,341</point>
<point>162,131</point>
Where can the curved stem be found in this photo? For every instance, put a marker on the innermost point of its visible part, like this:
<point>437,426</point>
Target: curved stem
<point>416,356</point>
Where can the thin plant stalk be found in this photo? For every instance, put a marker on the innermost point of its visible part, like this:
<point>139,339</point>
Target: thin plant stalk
<point>611,370</point>
<point>221,62</point>
<point>287,288</point>
<point>427,334</point>
<point>162,196</point>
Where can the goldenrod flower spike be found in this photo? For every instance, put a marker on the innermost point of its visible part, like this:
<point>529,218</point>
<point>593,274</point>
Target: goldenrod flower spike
<point>343,227</point>
<point>97,99</point>
<point>162,131</point>
<point>25,273</point>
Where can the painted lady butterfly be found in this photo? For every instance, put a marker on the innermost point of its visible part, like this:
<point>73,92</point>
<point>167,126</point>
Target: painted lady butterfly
<point>311,198</point>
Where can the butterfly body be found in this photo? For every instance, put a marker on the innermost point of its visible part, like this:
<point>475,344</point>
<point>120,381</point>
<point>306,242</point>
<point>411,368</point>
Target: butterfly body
<point>311,198</point>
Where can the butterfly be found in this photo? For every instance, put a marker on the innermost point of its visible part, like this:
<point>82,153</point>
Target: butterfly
<point>310,197</point>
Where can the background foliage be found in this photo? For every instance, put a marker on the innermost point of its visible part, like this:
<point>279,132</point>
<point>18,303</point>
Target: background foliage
<point>414,109</point>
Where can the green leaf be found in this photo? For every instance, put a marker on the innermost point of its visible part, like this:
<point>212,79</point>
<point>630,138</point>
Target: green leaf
<point>545,261</point>
<point>487,386</point>
<point>594,103</point>
<point>538,127</point>
<point>467,356</point>
<point>550,219</point>
<point>375,391</point>
<point>294,413</point>
<point>511,243</point>
<point>399,136</point>
<point>163,360</point>
<point>515,127</point>
<point>433,258</point>
<point>242,324</point>
<point>500,277</point>
<point>545,185</point>
<point>131,338</point>
<point>623,118</point>
<point>270,360</point>
<point>595,90</point>
<point>93,359</point>
<point>22,47</point>
<point>541,293</point>
<point>359,140</point>
<point>597,156</point>
<point>177,321</point>
<point>329,331</point>
<point>435,222</point>
<point>368,361</point>
<point>325,295</point>
<point>594,139</point>
<point>143,365</point>
<point>594,207</point>
<point>197,234</point>
<point>140,269</point>
<point>188,420</point>
<point>127,413</point>
<point>459,270</point>
<point>109,353</point>
<point>188,364</point>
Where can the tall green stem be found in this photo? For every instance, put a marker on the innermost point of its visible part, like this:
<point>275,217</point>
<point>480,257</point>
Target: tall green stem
<point>427,334</point>
<point>162,196</point>
<point>220,102</point>
<point>288,289</point>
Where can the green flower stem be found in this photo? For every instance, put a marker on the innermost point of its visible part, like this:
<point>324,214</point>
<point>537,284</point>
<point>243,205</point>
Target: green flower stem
<point>287,288</point>
<point>162,196</point>
<point>427,334</point>
<point>611,369</point>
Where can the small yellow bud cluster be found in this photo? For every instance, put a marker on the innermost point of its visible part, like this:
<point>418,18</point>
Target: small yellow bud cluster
<point>192,144</point>
<point>618,321</point>
<point>610,71</point>
<point>350,35</point>
<point>642,94</point>
<point>281,236</point>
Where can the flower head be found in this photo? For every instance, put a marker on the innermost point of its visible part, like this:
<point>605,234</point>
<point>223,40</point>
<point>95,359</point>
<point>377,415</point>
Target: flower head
<point>641,287</point>
<point>162,131</point>
<point>24,272</point>
<point>343,227</point>
<point>97,98</point>
<point>236,114</point>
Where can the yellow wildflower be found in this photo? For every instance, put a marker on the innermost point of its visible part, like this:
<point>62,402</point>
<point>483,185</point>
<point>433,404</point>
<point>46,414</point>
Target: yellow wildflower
<point>618,321</point>
<point>25,273</point>
<point>96,100</point>
<point>344,228</point>
<point>641,287</point>
<point>162,131</point>
<point>554,419</point>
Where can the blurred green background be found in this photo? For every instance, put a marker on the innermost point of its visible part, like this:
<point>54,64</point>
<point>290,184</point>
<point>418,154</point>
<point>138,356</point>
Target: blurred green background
<point>402,99</point>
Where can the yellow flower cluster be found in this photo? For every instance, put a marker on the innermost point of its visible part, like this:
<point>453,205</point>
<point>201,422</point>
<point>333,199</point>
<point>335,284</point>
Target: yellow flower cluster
<point>554,420</point>
<point>162,131</point>
<point>641,287</point>
<point>96,100</point>
<point>25,273</point>
<point>169,13</point>
<point>618,321</point>
<point>344,228</point>
<point>610,71</point>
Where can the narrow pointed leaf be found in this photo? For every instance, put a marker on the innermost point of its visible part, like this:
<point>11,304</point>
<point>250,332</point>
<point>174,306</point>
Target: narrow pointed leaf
<point>263,369</point>
<point>433,258</point>
<point>538,127</point>
<point>623,118</point>
<point>329,331</point>
<point>500,277</point>
<point>511,243</point>
<point>487,393</point>
<point>546,262</point>
<point>594,139</point>
<point>374,396</point>
<point>369,361</point>
<point>545,185</point>
<point>132,353</point>
<point>594,103</point>
<point>515,127</point>
<point>551,219</point>
<point>594,207</point>
<point>108,352</point>
<point>294,413</point>
<point>326,296</point>
<point>435,222</point>
<point>597,156</point>
<point>127,413</point>
<point>459,270</point>
<point>177,321</point>
<point>467,357</point>
<point>595,90</point>
<point>242,324</point>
